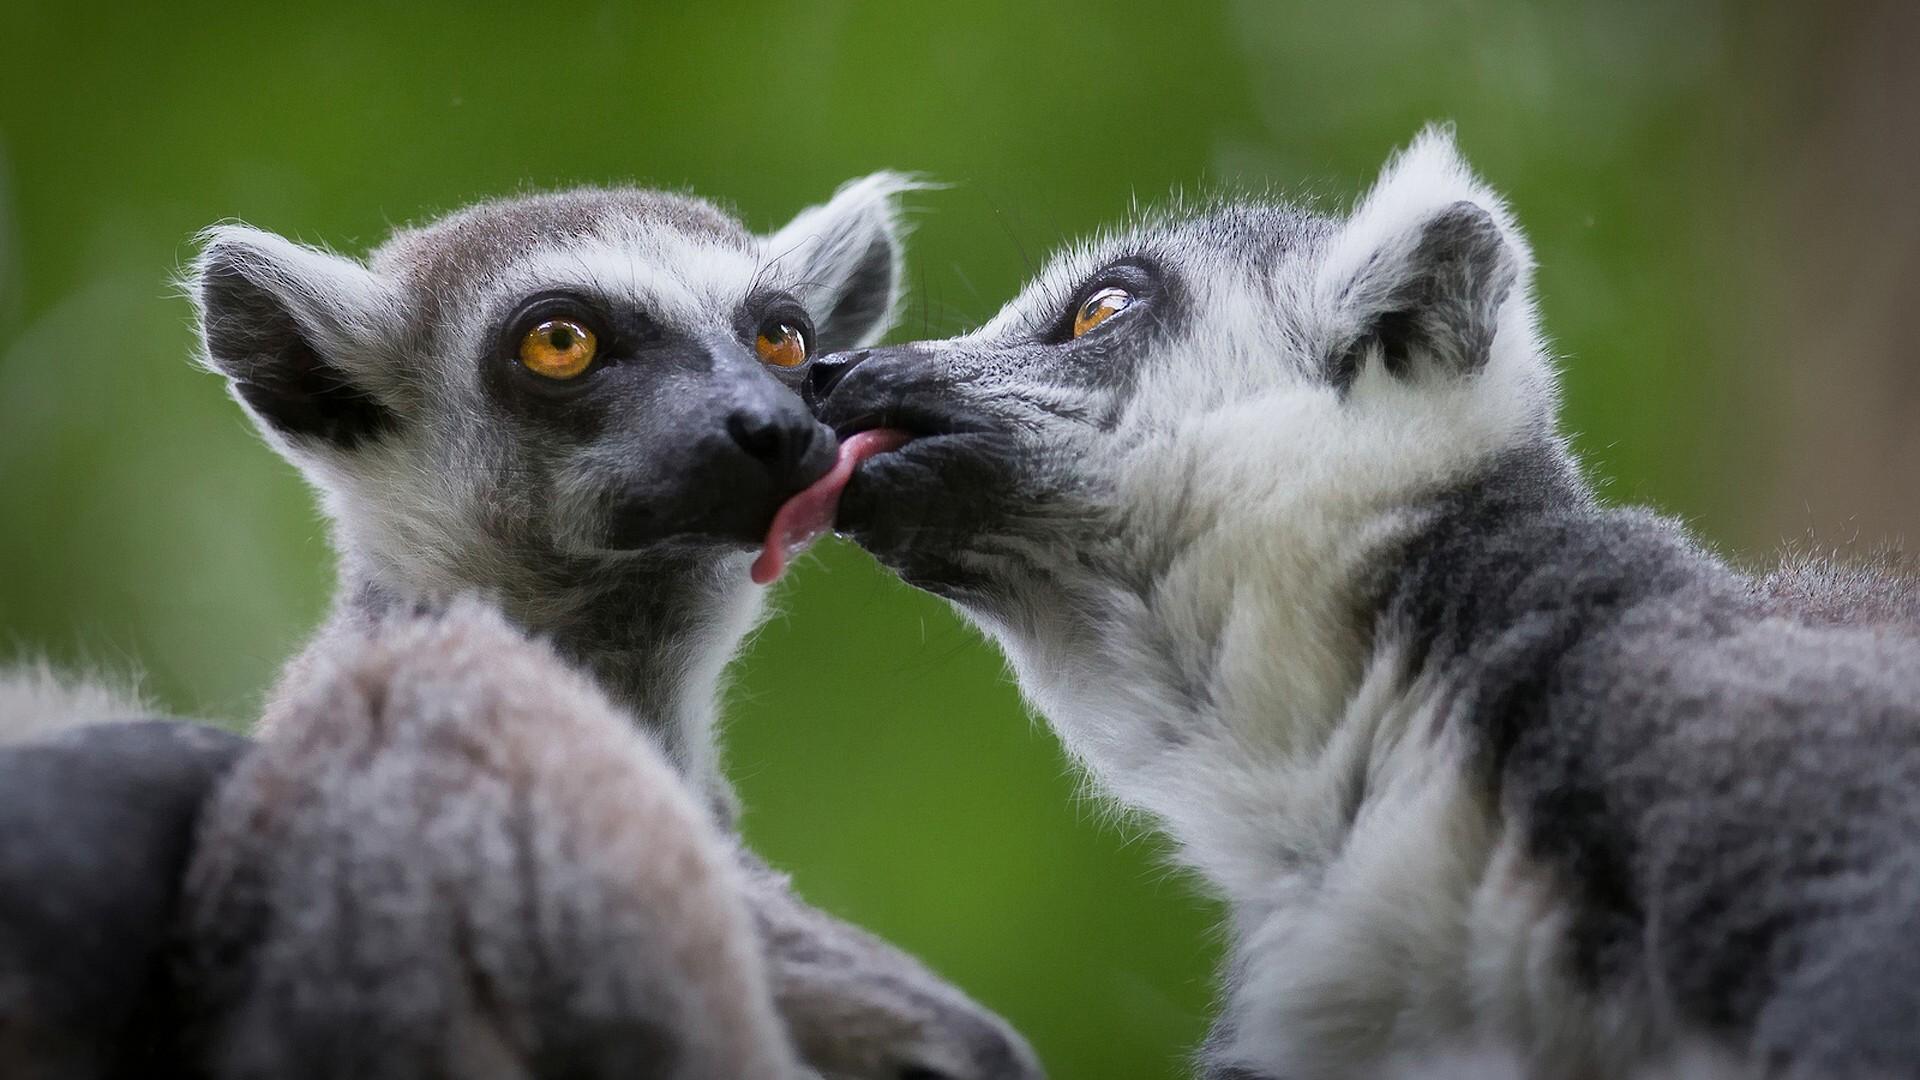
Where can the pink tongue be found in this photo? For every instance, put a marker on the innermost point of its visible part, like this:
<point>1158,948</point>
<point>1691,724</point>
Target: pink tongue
<point>804,518</point>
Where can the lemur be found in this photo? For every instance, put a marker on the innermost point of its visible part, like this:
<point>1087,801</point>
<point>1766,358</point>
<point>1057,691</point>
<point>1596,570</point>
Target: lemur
<point>583,405</point>
<point>1271,513</point>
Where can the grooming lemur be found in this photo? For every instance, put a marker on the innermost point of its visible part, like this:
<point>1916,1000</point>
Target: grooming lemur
<point>1272,516</point>
<point>582,406</point>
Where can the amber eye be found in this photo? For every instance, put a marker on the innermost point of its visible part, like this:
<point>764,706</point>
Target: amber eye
<point>558,349</point>
<point>1101,306</point>
<point>781,344</point>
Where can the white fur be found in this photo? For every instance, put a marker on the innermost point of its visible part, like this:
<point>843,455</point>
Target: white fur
<point>37,700</point>
<point>677,279</point>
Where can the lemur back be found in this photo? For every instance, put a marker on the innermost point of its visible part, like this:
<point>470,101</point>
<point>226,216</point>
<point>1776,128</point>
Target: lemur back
<point>1271,513</point>
<point>451,855</point>
<point>1721,774</point>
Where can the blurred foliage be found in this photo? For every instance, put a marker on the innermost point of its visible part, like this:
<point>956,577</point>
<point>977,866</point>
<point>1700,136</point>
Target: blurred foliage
<point>882,754</point>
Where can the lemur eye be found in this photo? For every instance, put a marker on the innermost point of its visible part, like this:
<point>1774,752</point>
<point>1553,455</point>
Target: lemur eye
<point>558,349</point>
<point>781,344</point>
<point>1104,304</point>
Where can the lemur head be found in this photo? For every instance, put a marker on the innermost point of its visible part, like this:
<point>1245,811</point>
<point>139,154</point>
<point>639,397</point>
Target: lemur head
<point>1248,368</point>
<point>528,390</point>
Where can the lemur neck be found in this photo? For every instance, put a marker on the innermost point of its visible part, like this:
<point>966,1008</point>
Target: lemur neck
<point>1209,694</point>
<point>656,635</point>
<point>1245,688</point>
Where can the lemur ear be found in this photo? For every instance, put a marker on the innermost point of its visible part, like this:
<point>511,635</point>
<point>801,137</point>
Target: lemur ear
<point>845,256</point>
<point>298,333</point>
<point>1421,271</point>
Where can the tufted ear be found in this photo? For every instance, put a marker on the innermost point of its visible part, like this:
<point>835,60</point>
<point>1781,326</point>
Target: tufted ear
<point>1420,271</point>
<point>299,334</point>
<point>847,254</point>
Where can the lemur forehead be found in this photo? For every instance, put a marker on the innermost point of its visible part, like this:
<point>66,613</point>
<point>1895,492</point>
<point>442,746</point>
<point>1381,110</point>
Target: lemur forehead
<point>1249,234</point>
<point>1216,238</point>
<point>483,241</point>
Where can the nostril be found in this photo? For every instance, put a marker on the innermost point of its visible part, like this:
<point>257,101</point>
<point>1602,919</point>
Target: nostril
<point>827,372</point>
<point>920,1072</point>
<point>754,434</point>
<point>778,442</point>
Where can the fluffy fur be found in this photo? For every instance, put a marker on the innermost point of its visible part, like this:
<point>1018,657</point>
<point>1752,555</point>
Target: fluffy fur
<point>511,880</point>
<point>613,515</point>
<point>1292,556</point>
<point>37,700</point>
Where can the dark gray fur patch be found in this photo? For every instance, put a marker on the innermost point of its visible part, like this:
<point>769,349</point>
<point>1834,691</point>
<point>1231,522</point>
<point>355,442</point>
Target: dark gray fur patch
<point>256,341</point>
<point>1438,306</point>
<point>97,824</point>
<point>1724,785</point>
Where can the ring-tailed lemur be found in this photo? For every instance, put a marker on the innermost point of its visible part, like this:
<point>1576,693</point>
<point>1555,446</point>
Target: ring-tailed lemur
<point>1272,516</point>
<point>582,405</point>
<point>451,855</point>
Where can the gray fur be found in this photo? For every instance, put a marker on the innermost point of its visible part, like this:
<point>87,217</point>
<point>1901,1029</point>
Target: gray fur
<point>98,821</point>
<point>451,855</point>
<point>615,522</point>
<point>1487,772</point>
<point>1881,586</point>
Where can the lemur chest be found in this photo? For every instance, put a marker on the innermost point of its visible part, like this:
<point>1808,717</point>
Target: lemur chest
<point>1422,937</point>
<point>1361,941</point>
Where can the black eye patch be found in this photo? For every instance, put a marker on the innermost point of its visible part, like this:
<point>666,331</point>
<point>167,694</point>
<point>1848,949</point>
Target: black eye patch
<point>540,308</point>
<point>1138,278</point>
<point>759,321</point>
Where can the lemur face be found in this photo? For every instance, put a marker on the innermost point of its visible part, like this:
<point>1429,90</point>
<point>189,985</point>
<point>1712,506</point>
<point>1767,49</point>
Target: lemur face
<point>1019,426</point>
<point>552,380</point>
<point>1210,371</point>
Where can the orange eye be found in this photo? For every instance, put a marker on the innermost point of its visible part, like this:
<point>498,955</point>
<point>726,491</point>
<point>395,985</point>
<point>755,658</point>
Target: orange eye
<point>781,344</point>
<point>558,349</point>
<point>1100,307</point>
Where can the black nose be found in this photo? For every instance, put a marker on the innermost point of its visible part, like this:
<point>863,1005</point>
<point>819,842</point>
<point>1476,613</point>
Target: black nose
<point>827,373</point>
<point>781,440</point>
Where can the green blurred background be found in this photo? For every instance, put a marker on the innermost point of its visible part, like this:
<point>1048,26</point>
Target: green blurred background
<point>1720,195</point>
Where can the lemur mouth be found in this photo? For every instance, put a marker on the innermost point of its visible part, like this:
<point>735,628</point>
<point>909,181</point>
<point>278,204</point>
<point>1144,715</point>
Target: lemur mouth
<point>809,514</point>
